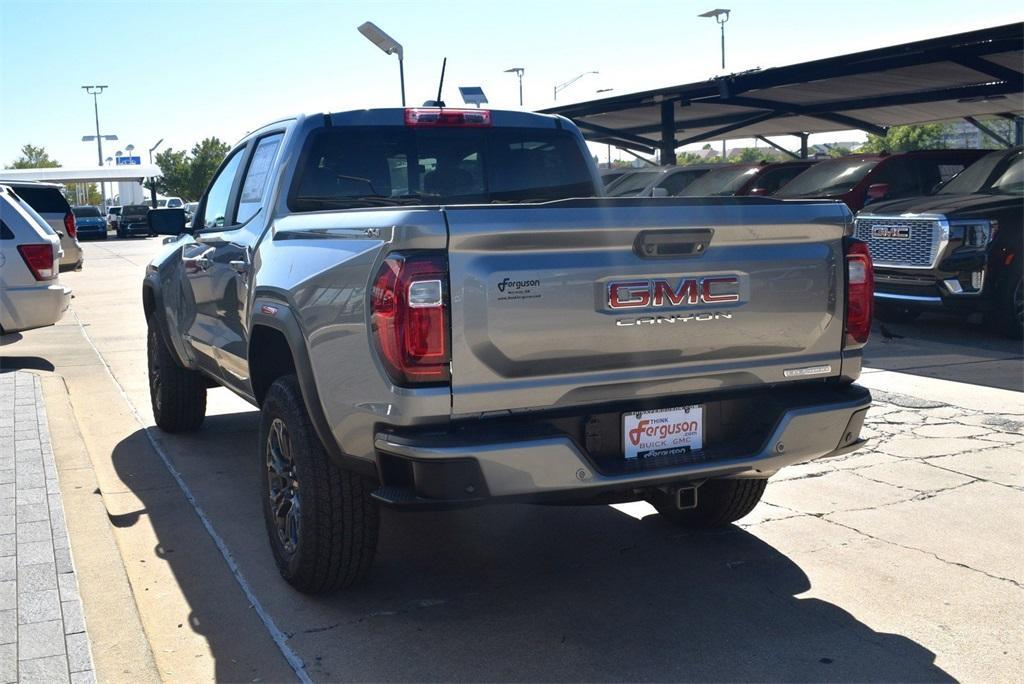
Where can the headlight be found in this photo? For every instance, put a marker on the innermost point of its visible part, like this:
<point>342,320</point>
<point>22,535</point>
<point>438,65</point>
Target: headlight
<point>977,234</point>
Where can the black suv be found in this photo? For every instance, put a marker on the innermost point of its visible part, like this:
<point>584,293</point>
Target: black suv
<point>958,249</point>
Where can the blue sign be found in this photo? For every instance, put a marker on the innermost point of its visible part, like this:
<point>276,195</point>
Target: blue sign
<point>129,161</point>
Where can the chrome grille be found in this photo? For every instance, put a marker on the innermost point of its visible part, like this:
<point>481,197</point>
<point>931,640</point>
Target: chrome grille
<point>916,251</point>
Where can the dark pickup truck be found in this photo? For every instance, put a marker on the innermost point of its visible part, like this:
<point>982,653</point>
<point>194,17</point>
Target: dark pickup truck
<point>956,250</point>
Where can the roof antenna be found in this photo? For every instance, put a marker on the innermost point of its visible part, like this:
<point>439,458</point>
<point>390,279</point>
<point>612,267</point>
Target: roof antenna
<point>440,102</point>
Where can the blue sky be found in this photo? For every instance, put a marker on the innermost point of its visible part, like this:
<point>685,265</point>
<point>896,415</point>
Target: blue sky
<point>186,70</point>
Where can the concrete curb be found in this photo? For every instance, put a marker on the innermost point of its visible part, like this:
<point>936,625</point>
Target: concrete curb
<point>975,397</point>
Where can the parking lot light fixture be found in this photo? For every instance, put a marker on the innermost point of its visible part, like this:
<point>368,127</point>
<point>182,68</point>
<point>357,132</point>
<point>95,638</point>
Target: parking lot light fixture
<point>389,45</point>
<point>518,71</point>
<point>720,16</point>
<point>562,86</point>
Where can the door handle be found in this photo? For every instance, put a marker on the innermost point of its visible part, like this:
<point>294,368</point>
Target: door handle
<point>240,267</point>
<point>672,244</point>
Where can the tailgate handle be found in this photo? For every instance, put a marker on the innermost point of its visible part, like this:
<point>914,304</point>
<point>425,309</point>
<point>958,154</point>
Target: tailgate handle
<point>672,244</point>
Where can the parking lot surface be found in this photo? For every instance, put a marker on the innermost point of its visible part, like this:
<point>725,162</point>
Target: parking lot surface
<point>898,562</point>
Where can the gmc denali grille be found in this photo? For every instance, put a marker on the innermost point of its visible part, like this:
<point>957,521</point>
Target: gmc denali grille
<point>901,242</point>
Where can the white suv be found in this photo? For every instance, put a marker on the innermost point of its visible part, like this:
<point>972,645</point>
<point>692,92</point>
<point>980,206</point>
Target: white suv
<point>30,256</point>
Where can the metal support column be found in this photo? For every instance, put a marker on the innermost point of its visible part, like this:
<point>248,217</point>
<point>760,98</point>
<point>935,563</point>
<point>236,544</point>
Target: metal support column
<point>668,134</point>
<point>803,145</point>
<point>1018,131</point>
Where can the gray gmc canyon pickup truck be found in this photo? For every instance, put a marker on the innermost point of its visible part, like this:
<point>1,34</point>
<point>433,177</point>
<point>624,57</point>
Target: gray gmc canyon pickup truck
<point>435,308</point>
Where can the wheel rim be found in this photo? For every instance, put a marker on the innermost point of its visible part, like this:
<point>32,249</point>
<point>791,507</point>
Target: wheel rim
<point>154,374</point>
<point>285,503</point>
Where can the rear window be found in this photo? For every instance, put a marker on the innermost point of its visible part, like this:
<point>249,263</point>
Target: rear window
<point>832,177</point>
<point>86,212</point>
<point>388,166</point>
<point>135,209</point>
<point>115,211</point>
<point>44,200</point>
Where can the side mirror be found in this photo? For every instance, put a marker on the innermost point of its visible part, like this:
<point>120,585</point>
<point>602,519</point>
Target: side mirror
<point>659,192</point>
<point>877,191</point>
<point>166,221</point>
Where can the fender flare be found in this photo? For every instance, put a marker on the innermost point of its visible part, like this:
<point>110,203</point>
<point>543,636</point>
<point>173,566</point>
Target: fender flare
<point>151,284</point>
<point>284,321</point>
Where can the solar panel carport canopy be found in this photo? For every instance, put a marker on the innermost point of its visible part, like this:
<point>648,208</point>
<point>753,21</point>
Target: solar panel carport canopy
<point>964,75</point>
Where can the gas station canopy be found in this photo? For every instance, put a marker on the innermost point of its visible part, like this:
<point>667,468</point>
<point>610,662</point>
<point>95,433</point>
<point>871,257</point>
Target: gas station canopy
<point>959,76</point>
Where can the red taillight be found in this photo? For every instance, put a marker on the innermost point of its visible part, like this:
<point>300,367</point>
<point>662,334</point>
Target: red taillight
<point>408,313</point>
<point>860,293</point>
<point>40,260</point>
<point>435,116</point>
<point>69,225</point>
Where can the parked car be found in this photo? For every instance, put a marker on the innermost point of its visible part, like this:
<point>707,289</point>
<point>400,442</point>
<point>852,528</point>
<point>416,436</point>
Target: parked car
<point>673,180</point>
<point>740,179</point>
<point>170,203</point>
<point>477,324</point>
<point>49,202</point>
<point>860,179</point>
<point>133,221</point>
<point>113,217</point>
<point>610,175</point>
<point>956,250</point>
<point>190,212</point>
<point>30,294</point>
<point>90,222</point>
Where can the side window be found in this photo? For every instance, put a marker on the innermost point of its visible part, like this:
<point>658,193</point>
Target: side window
<point>677,182</point>
<point>215,207</point>
<point>254,187</point>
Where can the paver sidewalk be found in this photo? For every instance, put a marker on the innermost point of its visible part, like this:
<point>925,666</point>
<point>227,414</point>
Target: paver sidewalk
<point>42,631</point>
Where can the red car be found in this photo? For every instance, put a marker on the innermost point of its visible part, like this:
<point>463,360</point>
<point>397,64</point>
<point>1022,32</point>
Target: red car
<point>762,178</point>
<point>861,179</point>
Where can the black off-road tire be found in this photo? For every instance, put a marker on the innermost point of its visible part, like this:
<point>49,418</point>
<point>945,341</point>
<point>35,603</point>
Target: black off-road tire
<point>1008,315</point>
<point>332,544</point>
<point>178,395</point>
<point>895,313</point>
<point>719,503</point>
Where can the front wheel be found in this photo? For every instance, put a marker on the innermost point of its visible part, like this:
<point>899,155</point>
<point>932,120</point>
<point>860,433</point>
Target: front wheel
<point>178,395</point>
<point>719,502</point>
<point>1008,315</point>
<point>321,520</point>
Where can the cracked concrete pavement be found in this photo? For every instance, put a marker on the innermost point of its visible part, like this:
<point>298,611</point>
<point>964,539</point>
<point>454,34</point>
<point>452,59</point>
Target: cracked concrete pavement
<point>898,562</point>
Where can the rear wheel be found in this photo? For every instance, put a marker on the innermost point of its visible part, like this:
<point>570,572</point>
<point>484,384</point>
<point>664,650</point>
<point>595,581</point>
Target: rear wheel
<point>895,313</point>
<point>320,519</point>
<point>719,502</point>
<point>178,395</point>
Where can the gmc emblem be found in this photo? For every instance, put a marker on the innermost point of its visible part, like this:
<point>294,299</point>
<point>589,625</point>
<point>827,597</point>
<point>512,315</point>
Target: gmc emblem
<point>638,294</point>
<point>891,232</point>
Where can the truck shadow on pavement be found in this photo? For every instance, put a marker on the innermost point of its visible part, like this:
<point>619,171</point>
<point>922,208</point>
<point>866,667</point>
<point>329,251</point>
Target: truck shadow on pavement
<point>509,593</point>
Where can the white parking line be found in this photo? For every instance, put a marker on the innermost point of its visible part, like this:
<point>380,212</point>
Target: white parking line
<point>275,633</point>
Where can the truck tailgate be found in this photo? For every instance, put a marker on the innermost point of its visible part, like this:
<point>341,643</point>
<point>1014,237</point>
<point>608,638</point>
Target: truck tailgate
<point>588,301</point>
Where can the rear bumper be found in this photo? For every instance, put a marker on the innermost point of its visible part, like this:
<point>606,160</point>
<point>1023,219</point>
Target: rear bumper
<point>444,471</point>
<point>92,231</point>
<point>73,258</point>
<point>33,307</point>
<point>135,228</point>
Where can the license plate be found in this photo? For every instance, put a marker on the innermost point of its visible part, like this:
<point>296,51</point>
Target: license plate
<point>665,432</point>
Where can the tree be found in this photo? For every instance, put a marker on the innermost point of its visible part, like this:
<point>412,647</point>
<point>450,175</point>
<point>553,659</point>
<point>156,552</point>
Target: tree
<point>838,151</point>
<point>33,157</point>
<point>206,157</point>
<point>907,139</point>
<point>90,195</point>
<point>186,174</point>
<point>177,173</point>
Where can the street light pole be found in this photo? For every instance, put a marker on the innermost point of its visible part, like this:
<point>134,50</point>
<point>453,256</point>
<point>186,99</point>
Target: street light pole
<point>562,86</point>
<point>152,179</point>
<point>720,16</point>
<point>518,71</point>
<point>95,91</point>
<point>389,45</point>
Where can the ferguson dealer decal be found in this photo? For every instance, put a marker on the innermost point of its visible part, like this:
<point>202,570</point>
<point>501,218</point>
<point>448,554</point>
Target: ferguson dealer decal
<point>668,432</point>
